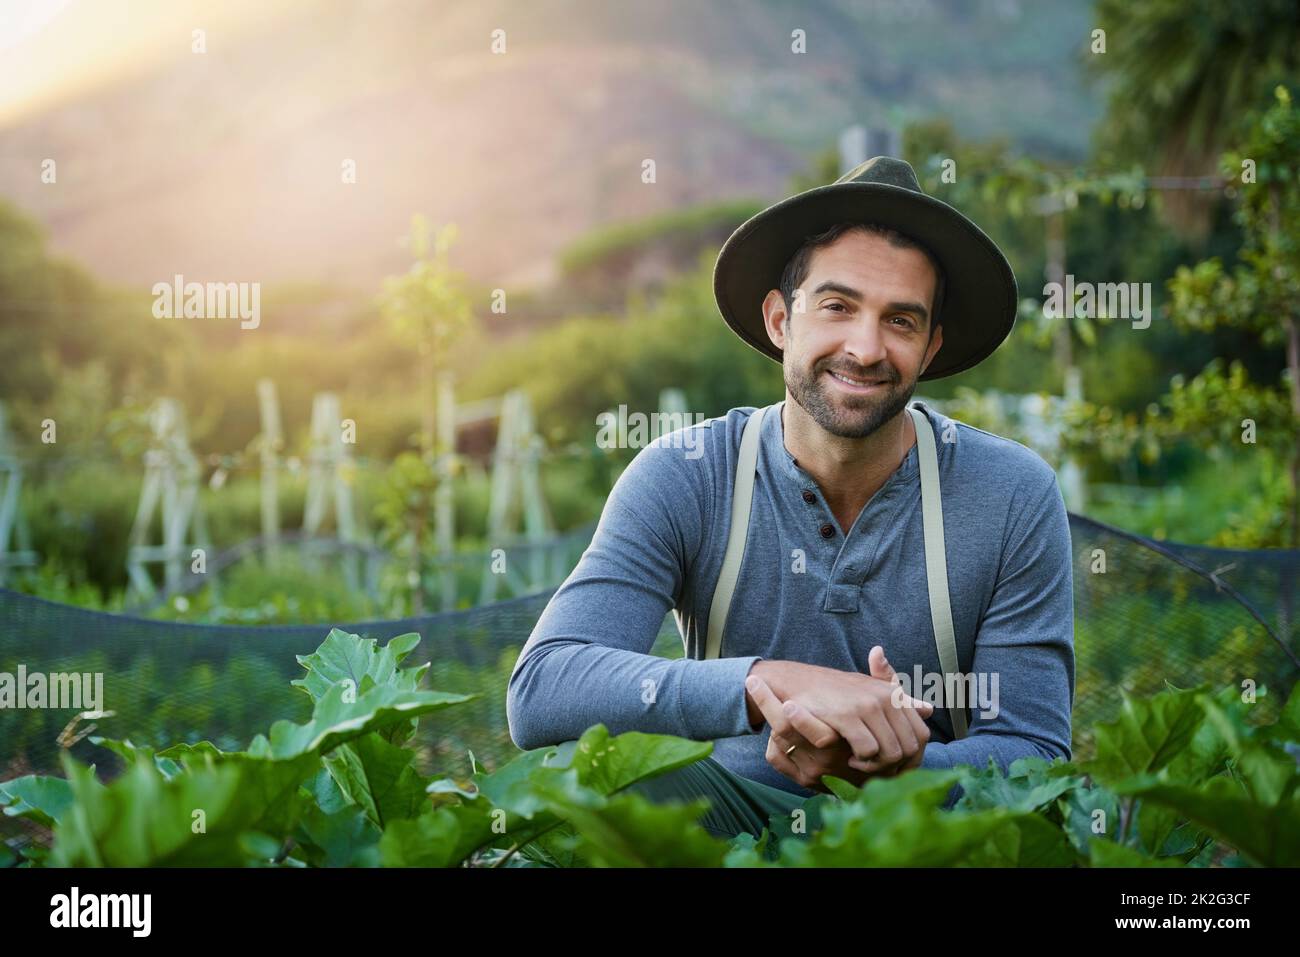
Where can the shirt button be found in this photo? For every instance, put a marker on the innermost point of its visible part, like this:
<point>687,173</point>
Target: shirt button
<point>809,497</point>
<point>828,530</point>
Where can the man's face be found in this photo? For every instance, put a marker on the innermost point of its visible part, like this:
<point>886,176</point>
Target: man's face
<point>860,333</point>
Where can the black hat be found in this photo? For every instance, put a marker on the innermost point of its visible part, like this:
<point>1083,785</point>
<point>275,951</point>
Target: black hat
<point>980,295</point>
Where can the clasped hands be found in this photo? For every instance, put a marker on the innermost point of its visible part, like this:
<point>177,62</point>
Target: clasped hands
<point>850,725</point>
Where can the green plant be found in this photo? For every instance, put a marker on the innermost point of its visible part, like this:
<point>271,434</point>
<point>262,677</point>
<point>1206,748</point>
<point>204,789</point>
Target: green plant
<point>1180,778</point>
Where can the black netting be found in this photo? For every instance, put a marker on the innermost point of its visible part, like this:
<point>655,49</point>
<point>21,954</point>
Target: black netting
<point>1151,614</point>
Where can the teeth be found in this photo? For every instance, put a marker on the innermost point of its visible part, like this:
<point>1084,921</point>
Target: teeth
<point>844,378</point>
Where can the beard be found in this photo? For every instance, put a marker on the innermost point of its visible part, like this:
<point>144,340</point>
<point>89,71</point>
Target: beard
<point>848,416</point>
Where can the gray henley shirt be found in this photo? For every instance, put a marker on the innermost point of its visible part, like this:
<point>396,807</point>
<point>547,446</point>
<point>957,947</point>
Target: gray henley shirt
<point>808,592</point>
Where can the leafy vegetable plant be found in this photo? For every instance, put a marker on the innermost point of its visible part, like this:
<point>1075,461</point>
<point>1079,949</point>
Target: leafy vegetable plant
<point>1180,778</point>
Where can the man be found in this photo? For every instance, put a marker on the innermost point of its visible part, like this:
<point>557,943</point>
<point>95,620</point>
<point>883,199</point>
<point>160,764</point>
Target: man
<point>860,289</point>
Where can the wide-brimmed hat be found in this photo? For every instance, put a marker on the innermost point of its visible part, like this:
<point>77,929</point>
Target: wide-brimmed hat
<point>980,295</point>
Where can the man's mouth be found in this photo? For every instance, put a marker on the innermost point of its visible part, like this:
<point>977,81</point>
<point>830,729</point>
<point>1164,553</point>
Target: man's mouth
<point>855,384</point>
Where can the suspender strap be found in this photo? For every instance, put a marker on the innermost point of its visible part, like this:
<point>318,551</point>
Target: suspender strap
<point>742,497</point>
<point>936,561</point>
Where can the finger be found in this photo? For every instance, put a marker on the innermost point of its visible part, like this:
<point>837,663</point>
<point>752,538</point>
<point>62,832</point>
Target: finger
<point>919,727</point>
<point>901,699</point>
<point>813,729</point>
<point>903,729</point>
<point>880,666</point>
<point>768,703</point>
<point>877,720</point>
<point>805,765</point>
<point>862,743</point>
<point>777,746</point>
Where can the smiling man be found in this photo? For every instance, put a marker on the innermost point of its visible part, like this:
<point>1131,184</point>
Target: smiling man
<point>825,550</point>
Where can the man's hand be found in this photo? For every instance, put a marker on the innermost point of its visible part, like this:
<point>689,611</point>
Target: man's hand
<point>810,758</point>
<point>883,728</point>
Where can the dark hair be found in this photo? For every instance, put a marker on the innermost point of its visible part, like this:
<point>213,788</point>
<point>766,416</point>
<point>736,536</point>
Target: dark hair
<point>796,270</point>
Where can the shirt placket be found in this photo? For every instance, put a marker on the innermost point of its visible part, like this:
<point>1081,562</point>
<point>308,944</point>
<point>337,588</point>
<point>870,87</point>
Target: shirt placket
<point>850,557</point>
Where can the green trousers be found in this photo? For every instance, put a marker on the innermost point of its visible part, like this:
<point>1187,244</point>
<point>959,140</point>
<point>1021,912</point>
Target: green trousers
<point>736,803</point>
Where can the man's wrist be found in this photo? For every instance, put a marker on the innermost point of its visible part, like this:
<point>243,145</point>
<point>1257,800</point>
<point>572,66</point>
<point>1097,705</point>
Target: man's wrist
<point>756,719</point>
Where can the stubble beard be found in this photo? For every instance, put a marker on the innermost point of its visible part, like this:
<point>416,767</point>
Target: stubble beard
<point>847,416</point>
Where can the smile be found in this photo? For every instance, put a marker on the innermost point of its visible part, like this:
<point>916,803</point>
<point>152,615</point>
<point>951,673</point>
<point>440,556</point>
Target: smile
<point>856,385</point>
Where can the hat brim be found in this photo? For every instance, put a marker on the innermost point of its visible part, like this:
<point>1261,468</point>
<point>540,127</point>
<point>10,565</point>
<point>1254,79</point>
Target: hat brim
<point>980,295</point>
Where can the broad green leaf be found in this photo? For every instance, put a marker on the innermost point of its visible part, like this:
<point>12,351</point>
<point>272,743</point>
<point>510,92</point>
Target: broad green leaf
<point>1147,735</point>
<point>258,849</point>
<point>378,776</point>
<point>1078,810</point>
<point>807,817</point>
<point>344,838</point>
<point>542,787</point>
<point>1025,840</point>
<point>842,789</point>
<point>336,721</point>
<point>197,818</point>
<point>607,765</point>
<point>345,657</point>
<point>1287,727</point>
<point>323,790</point>
<point>128,751</point>
<point>896,822</point>
<point>513,787</point>
<point>1269,834</point>
<point>1102,853</point>
<point>1213,742</point>
<point>748,851</point>
<point>554,848</point>
<point>595,762</point>
<point>38,798</point>
<point>357,665</point>
<point>631,831</point>
<point>1028,786</point>
<point>441,838</point>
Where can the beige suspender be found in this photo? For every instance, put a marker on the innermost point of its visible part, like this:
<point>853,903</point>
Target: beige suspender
<point>936,564</point>
<point>936,561</point>
<point>741,497</point>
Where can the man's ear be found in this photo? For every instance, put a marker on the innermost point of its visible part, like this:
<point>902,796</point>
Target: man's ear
<point>936,342</point>
<point>775,318</point>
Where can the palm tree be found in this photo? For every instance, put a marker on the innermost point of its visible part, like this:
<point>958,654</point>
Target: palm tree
<point>1183,74</point>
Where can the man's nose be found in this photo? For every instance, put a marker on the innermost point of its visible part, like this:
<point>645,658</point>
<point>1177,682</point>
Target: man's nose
<point>864,342</point>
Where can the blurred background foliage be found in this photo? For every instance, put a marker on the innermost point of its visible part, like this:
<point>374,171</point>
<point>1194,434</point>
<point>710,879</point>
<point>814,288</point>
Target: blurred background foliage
<point>1191,91</point>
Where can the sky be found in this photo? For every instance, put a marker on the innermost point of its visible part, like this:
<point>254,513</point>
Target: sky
<point>50,50</point>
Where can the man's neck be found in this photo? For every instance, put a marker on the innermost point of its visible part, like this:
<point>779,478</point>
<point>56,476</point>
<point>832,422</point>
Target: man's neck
<point>848,471</point>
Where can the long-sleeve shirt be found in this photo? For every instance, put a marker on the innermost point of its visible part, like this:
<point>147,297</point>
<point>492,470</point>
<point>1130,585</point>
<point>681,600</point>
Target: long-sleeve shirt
<point>809,592</point>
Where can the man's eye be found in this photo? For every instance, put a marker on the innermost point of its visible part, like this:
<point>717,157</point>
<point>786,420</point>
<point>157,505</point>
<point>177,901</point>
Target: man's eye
<point>833,305</point>
<point>905,319</point>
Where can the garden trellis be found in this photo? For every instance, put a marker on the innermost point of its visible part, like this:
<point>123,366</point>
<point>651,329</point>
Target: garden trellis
<point>171,490</point>
<point>13,529</point>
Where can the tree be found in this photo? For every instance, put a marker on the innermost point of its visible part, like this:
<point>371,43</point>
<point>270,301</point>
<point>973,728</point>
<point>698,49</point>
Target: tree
<point>1221,409</point>
<point>1183,76</point>
<point>429,308</point>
